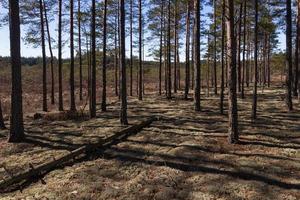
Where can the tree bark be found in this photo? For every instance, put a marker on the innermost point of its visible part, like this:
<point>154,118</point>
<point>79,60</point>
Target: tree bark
<point>16,121</point>
<point>222,58</point>
<point>289,62</point>
<point>140,53</point>
<point>2,124</point>
<point>187,52</point>
<point>197,64</point>
<point>123,89</point>
<point>244,51</point>
<point>232,96</point>
<point>45,109</point>
<point>169,81</point>
<point>131,47</point>
<point>175,47</point>
<point>60,96</point>
<point>103,105</point>
<point>93,67</point>
<point>160,47</point>
<point>215,49</point>
<point>80,50</point>
<point>72,84</point>
<point>254,103</point>
<point>296,69</point>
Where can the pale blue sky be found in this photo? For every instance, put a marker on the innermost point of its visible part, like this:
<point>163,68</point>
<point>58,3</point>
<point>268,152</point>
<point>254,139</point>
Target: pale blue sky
<point>28,51</point>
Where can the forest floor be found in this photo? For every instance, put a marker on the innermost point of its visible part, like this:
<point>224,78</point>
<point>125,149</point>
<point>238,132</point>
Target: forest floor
<point>185,155</point>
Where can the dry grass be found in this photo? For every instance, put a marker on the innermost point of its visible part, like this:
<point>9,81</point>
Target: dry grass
<point>184,156</point>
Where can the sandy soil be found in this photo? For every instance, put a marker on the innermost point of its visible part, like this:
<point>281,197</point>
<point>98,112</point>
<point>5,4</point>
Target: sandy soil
<point>183,156</point>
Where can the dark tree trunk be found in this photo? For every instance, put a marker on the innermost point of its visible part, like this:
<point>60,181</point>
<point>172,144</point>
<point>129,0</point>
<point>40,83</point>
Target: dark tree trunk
<point>232,96</point>
<point>296,69</point>
<point>187,52</point>
<point>197,64</point>
<point>131,47</point>
<point>289,62</point>
<point>215,49</point>
<point>160,47</point>
<point>222,58</point>
<point>239,48</point>
<point>140,53</point>
<point>123,89</point>
<point>208,66</point>
<point>45,109</point>
<point>116,65</point>
<point>175,47</point>
<point>60,96</point>
<point>244,51</point>
<point>80,50</point>
<point>254,103</point>
<point>169,81</point>
<point>93,67</point>
<point>2,124</point>
<point>103,105</point>
<point>16,121</point>
<point>51,54</point>
<point>72,84</point>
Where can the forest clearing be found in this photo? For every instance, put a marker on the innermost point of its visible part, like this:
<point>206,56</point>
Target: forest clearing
<point>176,99</point>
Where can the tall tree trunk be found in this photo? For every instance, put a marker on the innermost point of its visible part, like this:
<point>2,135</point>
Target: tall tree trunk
<point>103,105</point>
<point>289,62</point>
<point>45,109</point>
<point>93,67</point>
<point>268,62</point>
<point>239,48</point>
<point>232,96</point>
<point>80,50</point>
<point>244,51</point>
<point>131,47</point>
<point>215,49</point>
<point>2,124</point>
<point>160,47</point>
<point>208,65</point>
<point>16,121</point>
<point>140,53</point>
<point>197,64</point>
<point>187,52</point>
<point>222,58</point>
<point>254,103</point>
<point>116,65</point>
<point>60,96</point>
<point>51,54</point>
<point>72,84</point>
<point>123,90</point>
<point>169,81</point>
<point>296,69</point>
<point>175,47</point>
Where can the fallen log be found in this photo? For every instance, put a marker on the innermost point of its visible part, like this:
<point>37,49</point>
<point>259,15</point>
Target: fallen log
<point>46,167</point>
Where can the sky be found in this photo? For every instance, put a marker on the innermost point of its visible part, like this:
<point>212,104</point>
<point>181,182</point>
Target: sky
<point>29,51</point>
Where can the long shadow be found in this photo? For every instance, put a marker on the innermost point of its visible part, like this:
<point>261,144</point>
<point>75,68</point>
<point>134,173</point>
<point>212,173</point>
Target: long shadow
<point>272,145</point>
<point>204,169</point>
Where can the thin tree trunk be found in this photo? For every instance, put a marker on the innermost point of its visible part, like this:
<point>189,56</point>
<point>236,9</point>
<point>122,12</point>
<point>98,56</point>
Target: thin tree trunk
<point>296,69</point>
<point>140,53</point>
<point>175,47</point>
<point>208,65</point>
<point>222,58</point>
<point>60,96</point>
<point>169,81</point>
<point>80,50</point>
<point>123,89</point>
<point>187,52</point>
<point>2,124</point>
<point>239,48</point>
<point>232,96</point>
<point>93,66</point>
<point>197,64</point>
<point>116,65</point>
<point>16,121</point>
<point>254,104</point>
<point>131,47</point>
<point>289,62</point>
<point>103,105</point>
<point>215,49</point>
<point>161,47</point>
<point>72,84</point>
<point>45,109</point>
<point>51,54</point>
<point>244,51</point>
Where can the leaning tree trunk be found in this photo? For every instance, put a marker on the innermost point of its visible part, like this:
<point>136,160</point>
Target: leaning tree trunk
<point>16,121</point>
<point>103,105</point>
<point>2,124</point>
<point>289,62</point>
<point>51,54</point>
<point>123,89</point>
<point>60,96</point>
<point>72,84</point>
<point>45,109</point>
<point>197,64</point>
<point>232,96</point>
<point>187,52</point>
<point>254,103</point>
<point>93,63</point>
